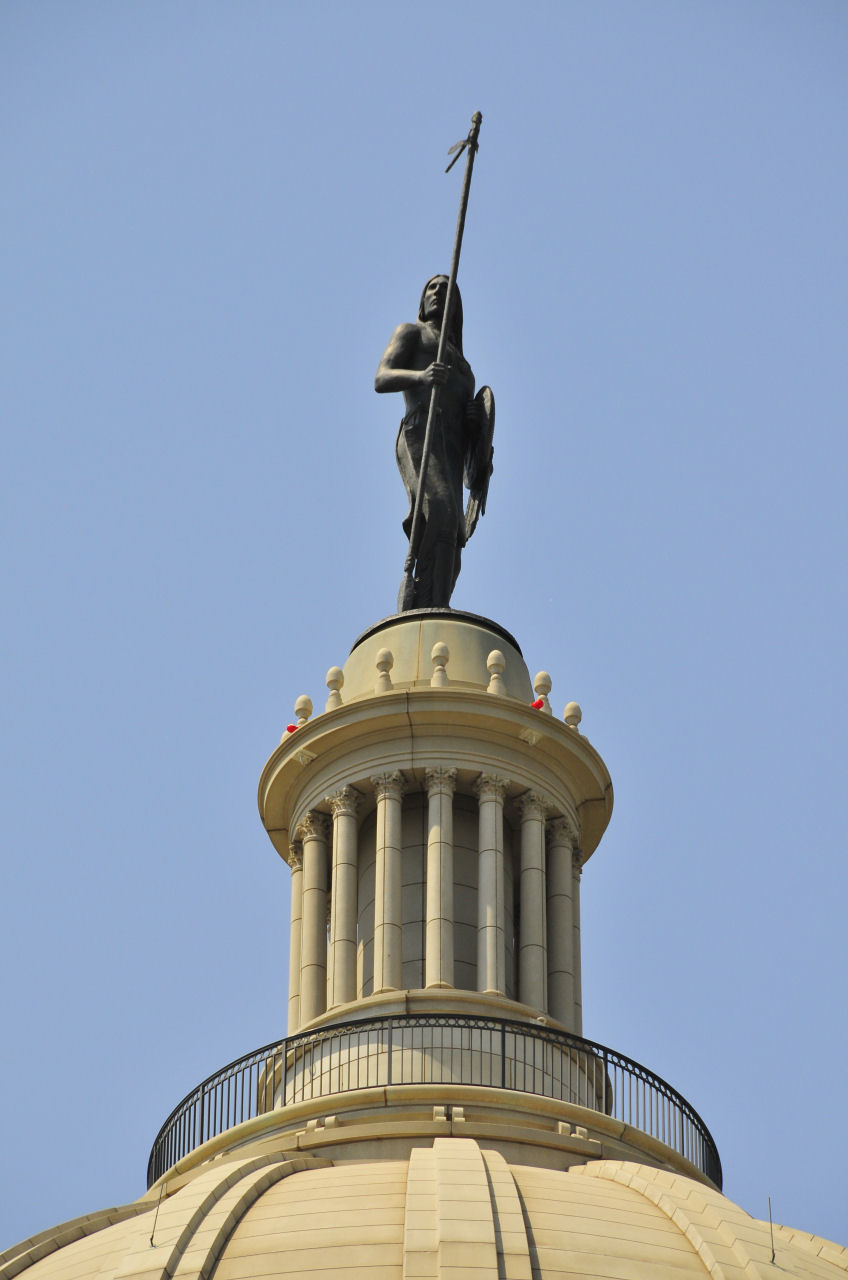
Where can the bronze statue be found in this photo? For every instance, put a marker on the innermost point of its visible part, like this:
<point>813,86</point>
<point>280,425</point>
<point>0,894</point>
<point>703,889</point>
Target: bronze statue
<point>446,435</point>
<point>460,445</point>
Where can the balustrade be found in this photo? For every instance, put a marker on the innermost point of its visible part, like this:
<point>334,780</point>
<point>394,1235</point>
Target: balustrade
<point>436,1049</point>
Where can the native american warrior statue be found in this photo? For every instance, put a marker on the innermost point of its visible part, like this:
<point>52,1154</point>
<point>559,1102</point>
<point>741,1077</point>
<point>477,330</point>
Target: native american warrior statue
<point>445,437</point>
<point>460,446</point>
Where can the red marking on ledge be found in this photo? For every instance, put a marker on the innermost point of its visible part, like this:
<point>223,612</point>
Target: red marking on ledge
<point>538,704</point>
<point>290,728</point>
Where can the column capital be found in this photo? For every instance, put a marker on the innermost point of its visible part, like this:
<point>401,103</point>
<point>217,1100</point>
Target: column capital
<point>577,862</point>
<point>344,803</point>
<point>531,805</point>
<point>388,786</point>
<point>563,831</point>
<point>440,779</point>
<point>295,858</point>
<point>489,786</point>
<point>314,825</point>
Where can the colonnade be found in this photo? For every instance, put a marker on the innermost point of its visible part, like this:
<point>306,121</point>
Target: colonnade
<point>324,857</point>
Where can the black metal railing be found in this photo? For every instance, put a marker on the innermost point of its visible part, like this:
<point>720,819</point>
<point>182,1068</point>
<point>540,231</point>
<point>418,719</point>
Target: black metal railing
<point>435,1049</point>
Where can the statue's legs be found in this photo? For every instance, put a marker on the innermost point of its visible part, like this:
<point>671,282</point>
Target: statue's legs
<point>438,553</point>
<point>445,569</point>
<point>457,561</point>
<point>436,569</point>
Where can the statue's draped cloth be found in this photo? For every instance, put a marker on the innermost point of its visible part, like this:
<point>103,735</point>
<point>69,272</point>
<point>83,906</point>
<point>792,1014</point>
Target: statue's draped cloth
<point>443,533</point>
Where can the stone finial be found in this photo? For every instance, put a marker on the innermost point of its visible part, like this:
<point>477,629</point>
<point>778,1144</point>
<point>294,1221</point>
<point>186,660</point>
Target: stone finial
<point>335,680</point>
<point>541,687</point>
<point>496,665</point>
<point>440,656</point>
<point>303,709</point>
<point>573,715</point>
<point>385,662</point>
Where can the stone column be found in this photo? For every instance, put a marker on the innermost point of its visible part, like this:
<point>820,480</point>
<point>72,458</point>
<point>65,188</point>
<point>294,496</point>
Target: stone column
<point>388,880</point>
<point>560,891</point>
<point>491,940</point>
<point>341,974</point>
<point>313,832</point>
<point>533,949</point>
<point>441,784</point>
<point>577,871</point>
<point>296,866</point>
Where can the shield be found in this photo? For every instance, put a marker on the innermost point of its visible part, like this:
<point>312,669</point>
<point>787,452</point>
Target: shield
<point>478,457</point>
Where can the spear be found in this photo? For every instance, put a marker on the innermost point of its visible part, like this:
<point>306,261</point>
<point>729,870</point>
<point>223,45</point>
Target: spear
<point>469,145</point>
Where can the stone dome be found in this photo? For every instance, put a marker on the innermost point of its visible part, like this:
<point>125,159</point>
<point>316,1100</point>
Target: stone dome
<point>434,1110</point>
<point>453,1207</point>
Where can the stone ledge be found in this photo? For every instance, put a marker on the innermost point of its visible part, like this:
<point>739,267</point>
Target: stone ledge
<point>405,1113</point>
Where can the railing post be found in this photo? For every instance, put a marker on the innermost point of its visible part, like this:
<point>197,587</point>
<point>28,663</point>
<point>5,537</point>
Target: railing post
<point>390,1031</point>
<point>503,1055</point>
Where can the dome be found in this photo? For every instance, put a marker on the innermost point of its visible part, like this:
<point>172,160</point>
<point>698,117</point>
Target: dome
<point>435,1110</point>
<point>455,1206</point>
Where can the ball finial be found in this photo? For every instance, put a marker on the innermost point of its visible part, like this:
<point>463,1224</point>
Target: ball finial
<point>496,665</point>
<point>573,715</point>
<point>542,686</point>
<point>335,681</point>
<point>385,662</point>
<point>439,656</point>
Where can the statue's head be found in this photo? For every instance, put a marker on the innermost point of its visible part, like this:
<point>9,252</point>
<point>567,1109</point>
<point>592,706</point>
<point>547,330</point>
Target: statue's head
<point>432,304</point>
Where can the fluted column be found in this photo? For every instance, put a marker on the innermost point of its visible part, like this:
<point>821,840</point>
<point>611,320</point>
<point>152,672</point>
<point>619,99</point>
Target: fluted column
<point>560,891</point>
<point>388,877</point>
<point>532,954</point>
<point>441,784</point>
<point>491,939</point>
<point>577,871</point>
<point>341,975</point>
<point>313,832</point>
<point>295,931</point>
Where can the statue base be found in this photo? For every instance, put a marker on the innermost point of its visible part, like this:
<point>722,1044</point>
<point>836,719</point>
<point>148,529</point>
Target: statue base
<point>409,638</point>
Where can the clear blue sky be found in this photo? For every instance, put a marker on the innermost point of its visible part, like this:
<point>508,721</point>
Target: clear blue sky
<point>212,216</point>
